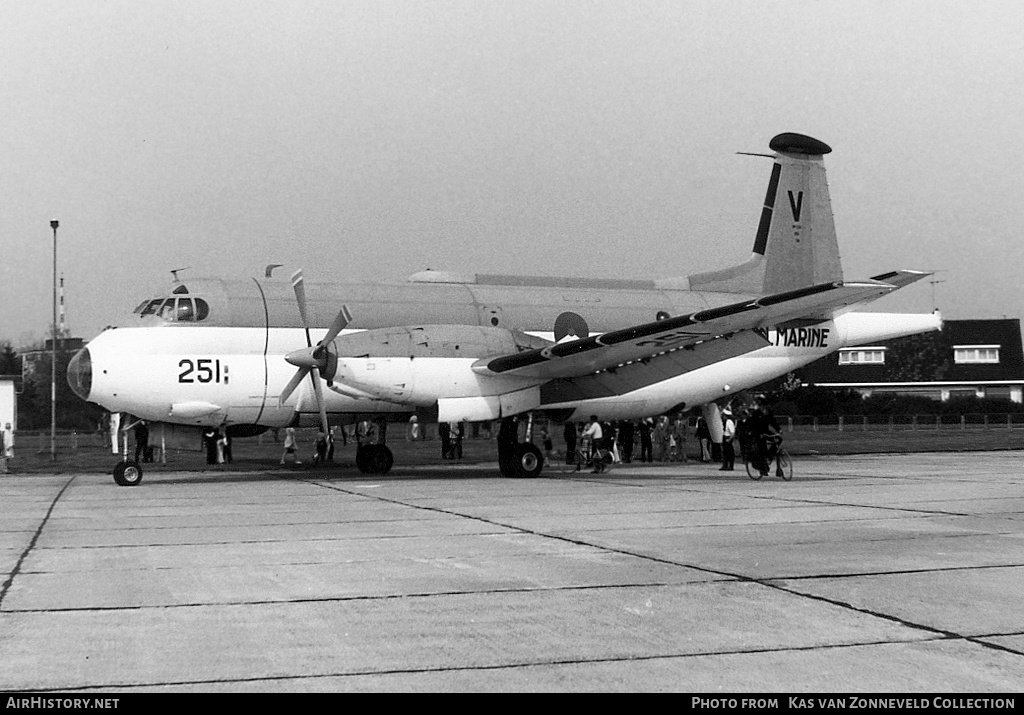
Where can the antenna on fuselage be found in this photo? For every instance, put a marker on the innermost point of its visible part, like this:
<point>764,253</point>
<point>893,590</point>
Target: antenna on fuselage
<point>270,268</point>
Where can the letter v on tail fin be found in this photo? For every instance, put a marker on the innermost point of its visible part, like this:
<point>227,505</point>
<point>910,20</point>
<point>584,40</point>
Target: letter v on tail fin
<point>795,245</point>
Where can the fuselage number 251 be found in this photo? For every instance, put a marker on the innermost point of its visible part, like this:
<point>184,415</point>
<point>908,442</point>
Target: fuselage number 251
<point>202,370</point>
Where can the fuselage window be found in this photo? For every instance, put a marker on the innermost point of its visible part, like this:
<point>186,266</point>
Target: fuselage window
<point>202,309</point>
<point>167,309</point>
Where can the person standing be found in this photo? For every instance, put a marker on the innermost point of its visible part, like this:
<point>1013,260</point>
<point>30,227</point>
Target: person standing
<point>646,451</point>
<point>742,437</point>
<point>728,432</point>
<point>290,444</point>
<point>508,440</point>
<point>458,432</point>
<point>627,438</point>
<point>210,444</point>
<point>681,438</point>
<point>218,440</point>
<point>596,436</point>
<point>704,438</point>
<point>331,439</point>
<point>142,442</point>
<point>444,431</point>
<point>321,447</point>
<point>660,437</point>
<point>226,441</point>
<point>569,435</point>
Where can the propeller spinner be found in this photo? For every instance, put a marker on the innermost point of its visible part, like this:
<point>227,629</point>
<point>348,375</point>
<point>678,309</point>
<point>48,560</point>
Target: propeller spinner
<point>312,357</point>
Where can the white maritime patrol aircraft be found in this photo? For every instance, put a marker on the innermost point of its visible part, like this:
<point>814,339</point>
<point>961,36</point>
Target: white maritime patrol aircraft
<point>241,355</point>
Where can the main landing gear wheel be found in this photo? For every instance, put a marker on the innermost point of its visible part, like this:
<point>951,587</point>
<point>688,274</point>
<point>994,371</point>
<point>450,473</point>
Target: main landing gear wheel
<point>127,473</point>
<point>374,459</point>
<point>526,461</point>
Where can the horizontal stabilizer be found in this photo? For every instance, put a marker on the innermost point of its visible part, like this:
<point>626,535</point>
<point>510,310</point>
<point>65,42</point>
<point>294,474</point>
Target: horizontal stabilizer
<point>901,278</point>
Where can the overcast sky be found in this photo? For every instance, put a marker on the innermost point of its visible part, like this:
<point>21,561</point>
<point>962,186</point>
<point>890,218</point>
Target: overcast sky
<point>369,140</point>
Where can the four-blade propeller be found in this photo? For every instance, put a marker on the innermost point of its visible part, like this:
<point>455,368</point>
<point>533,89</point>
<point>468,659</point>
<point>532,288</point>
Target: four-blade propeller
<point>313,358</point>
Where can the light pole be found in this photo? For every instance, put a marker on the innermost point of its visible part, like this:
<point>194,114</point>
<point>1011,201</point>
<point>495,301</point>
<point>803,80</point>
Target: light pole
<point>53,355</point>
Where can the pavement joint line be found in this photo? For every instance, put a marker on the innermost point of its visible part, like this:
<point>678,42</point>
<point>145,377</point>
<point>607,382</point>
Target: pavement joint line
<point>797,500</point>
<point>940,632</point>
<point>738,577</point>
<point>6,586</point>
<point>354,599</point>
<point>486,668</point>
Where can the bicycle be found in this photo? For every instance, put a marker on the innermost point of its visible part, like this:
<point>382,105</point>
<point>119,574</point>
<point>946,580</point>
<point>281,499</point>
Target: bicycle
<point>782,460</point>
<point>581,459</point>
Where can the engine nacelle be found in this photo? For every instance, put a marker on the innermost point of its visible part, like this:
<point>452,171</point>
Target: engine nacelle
<point>419,365</point>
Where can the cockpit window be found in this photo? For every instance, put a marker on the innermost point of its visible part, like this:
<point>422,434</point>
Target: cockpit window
<point>180,310</point>
<point>185,311</point>
<point>153,307</point>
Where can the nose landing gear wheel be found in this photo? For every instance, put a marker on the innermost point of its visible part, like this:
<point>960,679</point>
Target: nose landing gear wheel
<point>127,473</point>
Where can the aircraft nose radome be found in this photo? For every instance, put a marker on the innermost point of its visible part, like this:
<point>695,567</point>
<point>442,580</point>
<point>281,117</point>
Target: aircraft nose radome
<point>80,373</point>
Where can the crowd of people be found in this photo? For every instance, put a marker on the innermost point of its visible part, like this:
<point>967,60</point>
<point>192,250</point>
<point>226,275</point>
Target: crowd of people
<point>754,434</point>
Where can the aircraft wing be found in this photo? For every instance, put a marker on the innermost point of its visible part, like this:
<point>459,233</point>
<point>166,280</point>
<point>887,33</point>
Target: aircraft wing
<point>698,332</point>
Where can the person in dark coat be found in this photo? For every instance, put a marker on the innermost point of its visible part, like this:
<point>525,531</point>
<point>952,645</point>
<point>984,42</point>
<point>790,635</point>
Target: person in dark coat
<point>569,435</point>
<point>703,433</point>
<point>142,441</point>
<point>508,440</point>
<point>627,437</point>
<point>646,445</point>
<point>444,431</point>
<point>210,438</point>
<point>457,436</point>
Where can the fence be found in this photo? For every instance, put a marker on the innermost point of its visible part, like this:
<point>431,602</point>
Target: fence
<point>896,423</point>
<point>39,440</point>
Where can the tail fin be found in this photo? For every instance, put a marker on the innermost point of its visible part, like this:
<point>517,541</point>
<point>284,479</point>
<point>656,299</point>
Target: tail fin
<point>796,245</point>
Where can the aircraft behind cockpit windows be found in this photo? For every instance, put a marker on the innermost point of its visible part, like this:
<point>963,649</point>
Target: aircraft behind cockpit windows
<point>247,355</point>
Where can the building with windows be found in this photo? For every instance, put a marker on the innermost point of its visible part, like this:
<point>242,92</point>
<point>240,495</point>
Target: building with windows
<point>977,358</point>
<point>38,358</point>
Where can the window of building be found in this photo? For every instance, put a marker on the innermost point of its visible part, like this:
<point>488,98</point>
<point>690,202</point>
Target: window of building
<point>862,356</point>
<point>976,353</point>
